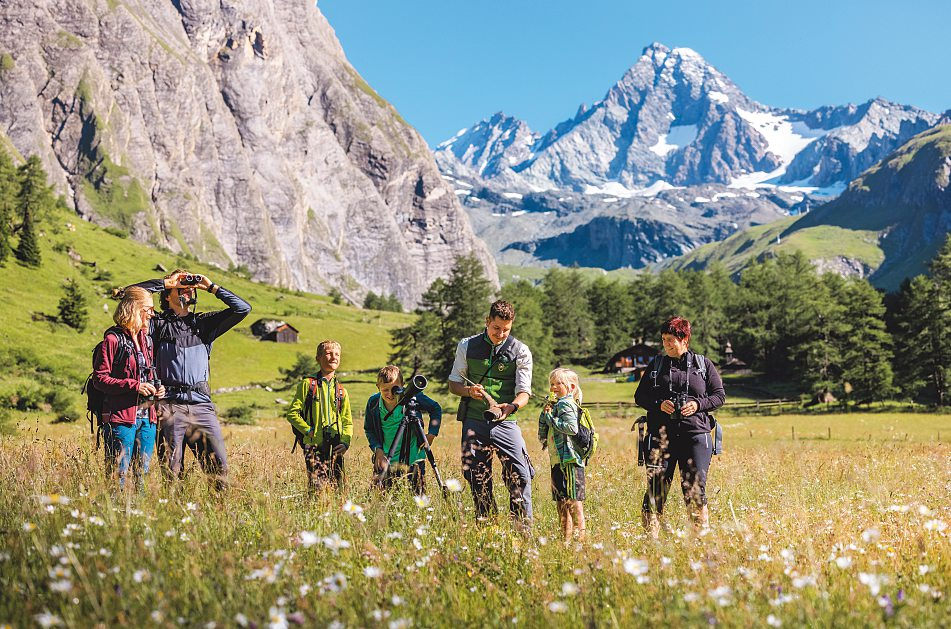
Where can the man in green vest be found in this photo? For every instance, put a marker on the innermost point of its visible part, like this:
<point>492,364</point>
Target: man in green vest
<point>496,365</point>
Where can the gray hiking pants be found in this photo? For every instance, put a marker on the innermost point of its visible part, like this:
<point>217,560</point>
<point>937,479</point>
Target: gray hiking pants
<point>480,442</point>
<point>197,426</point>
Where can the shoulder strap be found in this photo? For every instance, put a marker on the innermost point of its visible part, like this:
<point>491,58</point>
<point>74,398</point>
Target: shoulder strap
<point>701,366</point>
<point>658,363</point>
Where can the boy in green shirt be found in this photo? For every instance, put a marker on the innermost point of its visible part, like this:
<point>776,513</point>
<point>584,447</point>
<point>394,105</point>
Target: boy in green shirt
<point>380,433</point>
<point>321,419</point>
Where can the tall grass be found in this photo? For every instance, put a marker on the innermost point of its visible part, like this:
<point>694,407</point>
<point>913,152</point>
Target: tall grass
<point>847,531</point>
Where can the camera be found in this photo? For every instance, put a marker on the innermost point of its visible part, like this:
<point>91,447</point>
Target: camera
<point>679,401</point>
<point>330,439</point>
<point>190,280</point>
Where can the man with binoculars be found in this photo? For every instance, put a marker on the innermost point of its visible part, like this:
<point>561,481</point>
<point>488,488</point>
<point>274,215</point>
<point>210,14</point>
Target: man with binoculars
<point>498,370</point>
<point>183,339</point>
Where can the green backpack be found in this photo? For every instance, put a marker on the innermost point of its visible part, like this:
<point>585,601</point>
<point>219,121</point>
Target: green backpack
<point>586,441</point>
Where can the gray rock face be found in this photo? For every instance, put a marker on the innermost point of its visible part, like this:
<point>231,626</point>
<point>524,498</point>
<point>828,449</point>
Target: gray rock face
<point>235,130</point>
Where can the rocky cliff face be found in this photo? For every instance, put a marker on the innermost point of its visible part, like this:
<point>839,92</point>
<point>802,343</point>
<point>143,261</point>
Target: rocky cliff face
<point>235,130</point>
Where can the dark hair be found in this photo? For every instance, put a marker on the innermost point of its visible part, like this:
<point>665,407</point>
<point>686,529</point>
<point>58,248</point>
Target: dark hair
<point>502,309</point>
<point>676,326</point>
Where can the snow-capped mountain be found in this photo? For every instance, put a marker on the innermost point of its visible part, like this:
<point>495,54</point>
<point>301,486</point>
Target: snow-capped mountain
<point>675,120</point>
<point>669,149</point>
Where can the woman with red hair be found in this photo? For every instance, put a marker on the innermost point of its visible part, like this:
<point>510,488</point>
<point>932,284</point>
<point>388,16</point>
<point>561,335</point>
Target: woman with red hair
<point>680,390</point>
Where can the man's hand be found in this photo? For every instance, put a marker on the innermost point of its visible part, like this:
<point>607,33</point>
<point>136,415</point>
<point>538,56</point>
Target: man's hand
<point>205,283</point>
<point>174,280</point>
<point>340,449</point>
<point>476,391</point>
<point>507,409</point>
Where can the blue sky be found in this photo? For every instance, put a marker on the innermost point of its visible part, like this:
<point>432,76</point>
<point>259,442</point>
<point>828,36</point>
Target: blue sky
<point>445,64</point>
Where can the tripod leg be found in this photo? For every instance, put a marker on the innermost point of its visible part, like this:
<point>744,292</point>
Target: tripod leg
<point>397,442</point>
<point>424,444</point>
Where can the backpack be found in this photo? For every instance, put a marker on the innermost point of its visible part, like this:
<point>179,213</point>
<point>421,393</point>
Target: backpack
<point>701,365</point>
<point>307,410</point>
<point>94,397</point>
<point>586,441</point>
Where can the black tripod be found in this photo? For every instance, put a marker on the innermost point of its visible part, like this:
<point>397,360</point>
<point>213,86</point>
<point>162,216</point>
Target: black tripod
<point>412,421</point>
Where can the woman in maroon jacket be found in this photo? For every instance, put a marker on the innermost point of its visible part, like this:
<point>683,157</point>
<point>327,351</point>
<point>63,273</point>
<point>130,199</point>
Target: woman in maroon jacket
<point>124,373</point>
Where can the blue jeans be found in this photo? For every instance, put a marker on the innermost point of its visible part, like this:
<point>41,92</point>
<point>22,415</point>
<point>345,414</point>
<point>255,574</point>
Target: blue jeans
<point>125,442</point>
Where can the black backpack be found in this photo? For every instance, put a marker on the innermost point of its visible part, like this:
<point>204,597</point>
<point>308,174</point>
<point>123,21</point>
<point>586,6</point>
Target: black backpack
<point>95,397</point>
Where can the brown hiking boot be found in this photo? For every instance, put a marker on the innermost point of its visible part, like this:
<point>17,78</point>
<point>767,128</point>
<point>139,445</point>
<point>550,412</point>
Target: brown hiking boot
<point>651,524</point>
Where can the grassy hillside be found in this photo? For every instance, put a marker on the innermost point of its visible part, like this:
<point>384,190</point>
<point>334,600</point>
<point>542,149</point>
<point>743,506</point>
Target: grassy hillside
<point>38,355</point>
<point>890,219</point>
<point>820,242</point>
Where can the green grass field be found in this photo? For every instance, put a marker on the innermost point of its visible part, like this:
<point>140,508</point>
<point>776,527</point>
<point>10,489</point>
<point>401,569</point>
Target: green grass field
<point>847,531</point>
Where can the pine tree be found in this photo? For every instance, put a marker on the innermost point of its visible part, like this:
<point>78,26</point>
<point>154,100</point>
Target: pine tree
<point>567,315</point>
<point>8,191</point>
<point>449,311</point>
<point>917,352</point>
<point>529,327</point>
<point>867,354</point>
<point>73,306</point>
<point>610,305</point>
<point>28,250</point>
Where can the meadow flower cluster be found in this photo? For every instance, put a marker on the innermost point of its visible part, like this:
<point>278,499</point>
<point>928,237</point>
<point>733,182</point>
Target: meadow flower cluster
<point>796,538</point>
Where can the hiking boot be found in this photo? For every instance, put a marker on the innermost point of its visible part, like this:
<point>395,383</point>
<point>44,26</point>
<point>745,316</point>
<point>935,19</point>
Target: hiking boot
<point>701,519</point>
<point>651,524</point>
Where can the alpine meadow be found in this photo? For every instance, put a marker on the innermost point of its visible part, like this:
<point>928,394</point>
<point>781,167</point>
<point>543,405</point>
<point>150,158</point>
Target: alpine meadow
<point>270,358</point>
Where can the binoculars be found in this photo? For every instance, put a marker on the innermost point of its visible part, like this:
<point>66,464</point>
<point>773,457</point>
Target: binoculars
<point>190,280</point>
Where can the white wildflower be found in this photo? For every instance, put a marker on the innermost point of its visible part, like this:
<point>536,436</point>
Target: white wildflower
<point>899,508</point>
<point>453,485</point>
<point>635,567</point>
<point>191,506</point>
<point>63,586</point>
<point>372,572</point>
<point>843,562</point>
<point>46,619</point>
<point>871,535</point>
<point>335,543</point>
<point>568,589</point>
<point>873,581</point>
<point>557,607</point>
<point>924,569</point>
<point>29,526</point>
<point>924,510</point>
<point>801,582</point>
<point>53,499</point>
<point>773,621</point>
<point>241,620</point>
<point>936,525</point>
<point>140,575</point>
<point>422,501</point>
<point>691,597</point>
<point>722,595</point>
<point>401,623</point>
<point>277,618</point>
<point>307,538</point>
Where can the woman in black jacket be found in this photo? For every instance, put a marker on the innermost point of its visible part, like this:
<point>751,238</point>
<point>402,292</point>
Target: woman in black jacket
<point>680,390</point>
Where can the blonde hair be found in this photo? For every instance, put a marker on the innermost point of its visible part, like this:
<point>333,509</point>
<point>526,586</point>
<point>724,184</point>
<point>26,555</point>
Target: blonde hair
<point>568,377</point>
<point>390,373</point>
<point>328,343</point>
<point>128,312</point>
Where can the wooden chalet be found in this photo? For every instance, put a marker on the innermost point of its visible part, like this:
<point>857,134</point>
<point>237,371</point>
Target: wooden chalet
<point>275,331</point>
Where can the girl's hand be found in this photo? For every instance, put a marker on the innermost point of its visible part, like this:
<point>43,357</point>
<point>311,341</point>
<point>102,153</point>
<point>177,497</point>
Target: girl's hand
<point>146,389</point>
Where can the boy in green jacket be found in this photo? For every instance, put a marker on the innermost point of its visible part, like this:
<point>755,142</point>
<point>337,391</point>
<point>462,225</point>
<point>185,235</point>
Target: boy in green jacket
<point>321,419</point>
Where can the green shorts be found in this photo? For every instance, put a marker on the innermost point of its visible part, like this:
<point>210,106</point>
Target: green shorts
<point>567,482</point>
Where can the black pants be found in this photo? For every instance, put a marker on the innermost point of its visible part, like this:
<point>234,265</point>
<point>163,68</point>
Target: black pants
<point>665,452</point>
<point>322,471</point>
